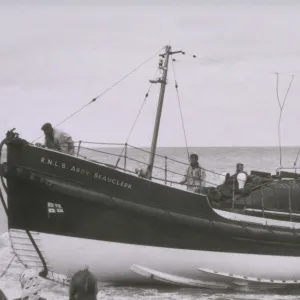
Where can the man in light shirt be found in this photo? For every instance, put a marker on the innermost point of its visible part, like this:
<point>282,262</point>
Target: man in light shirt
<point>194,176</point>
<point>58,140</point>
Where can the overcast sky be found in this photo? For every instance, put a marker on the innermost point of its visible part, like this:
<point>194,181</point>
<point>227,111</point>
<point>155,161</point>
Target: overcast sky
<point>56,57</point>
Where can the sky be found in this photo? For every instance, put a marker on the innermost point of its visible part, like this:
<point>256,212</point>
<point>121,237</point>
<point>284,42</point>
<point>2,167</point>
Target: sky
<point>56,56</point>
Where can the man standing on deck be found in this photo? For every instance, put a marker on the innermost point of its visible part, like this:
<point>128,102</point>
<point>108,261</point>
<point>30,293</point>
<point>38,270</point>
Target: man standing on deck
<point>194,176</point>
<point>58,140</point>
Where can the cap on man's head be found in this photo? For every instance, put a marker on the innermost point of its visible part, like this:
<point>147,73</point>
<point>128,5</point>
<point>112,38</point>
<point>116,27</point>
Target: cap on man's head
<point>240,167</point>
<point>194,155</point>
<point>46,126</point>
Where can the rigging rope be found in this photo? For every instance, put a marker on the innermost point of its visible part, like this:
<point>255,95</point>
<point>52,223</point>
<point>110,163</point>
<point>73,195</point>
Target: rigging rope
<point>201,59</point>
<point>135,121</point>
<point>296,160</point>
<point>281,106</point>
<point>105,91</point>
<point>8,266</point>
<point>178,99</point>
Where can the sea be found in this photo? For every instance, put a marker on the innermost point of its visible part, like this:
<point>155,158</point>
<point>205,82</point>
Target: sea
<point>216,159</point>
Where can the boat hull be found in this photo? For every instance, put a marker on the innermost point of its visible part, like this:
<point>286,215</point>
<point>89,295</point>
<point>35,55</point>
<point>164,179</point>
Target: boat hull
<point>86,214</point>
<point>111,261</point>
<point>39,203</point>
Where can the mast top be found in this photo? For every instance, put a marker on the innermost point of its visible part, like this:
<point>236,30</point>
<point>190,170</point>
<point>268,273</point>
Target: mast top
<point>168,50</point>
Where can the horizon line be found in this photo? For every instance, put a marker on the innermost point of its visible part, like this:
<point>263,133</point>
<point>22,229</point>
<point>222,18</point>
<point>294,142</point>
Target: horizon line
<point>119,145</point>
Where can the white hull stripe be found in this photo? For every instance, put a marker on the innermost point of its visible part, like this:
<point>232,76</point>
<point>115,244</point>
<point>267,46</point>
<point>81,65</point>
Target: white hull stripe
<point>272,212</point>
<point>257,220</point>
<point>111,262</point>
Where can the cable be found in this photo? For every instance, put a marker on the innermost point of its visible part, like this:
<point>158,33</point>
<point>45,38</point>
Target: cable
<point>136,119</point>
<point>105,91</point>
<point>296,160</point>
<point>201,59</point>
<point>281,106</point>
<point>279,120</point>
<point>140,110</point>
<point>7,267</point>
<point>182,120</point>
<point>194,56</point>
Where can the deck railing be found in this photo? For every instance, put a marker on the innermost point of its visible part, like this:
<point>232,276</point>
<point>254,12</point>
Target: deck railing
<point>295,169</point>
<point>129,158</point>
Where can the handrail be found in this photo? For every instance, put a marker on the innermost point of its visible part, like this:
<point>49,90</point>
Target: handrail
<point>100,151</point>
<point>100,143</point>
<point>166,167</point>
<point>160,179</point>
<point>158,155</point>
<point>126,146</point>
<point>166,180</point>
<point>169,158</point>
<point>296,168</point>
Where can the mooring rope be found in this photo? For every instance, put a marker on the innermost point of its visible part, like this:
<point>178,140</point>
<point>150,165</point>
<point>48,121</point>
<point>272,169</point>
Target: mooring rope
<point>8,266</point>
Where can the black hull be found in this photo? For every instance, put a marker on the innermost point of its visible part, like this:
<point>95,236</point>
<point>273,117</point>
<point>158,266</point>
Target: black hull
<point>118,207</point>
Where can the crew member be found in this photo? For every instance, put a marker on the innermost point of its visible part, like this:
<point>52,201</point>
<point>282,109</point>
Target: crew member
<point>144,173</point>
<point>240,177</point>
<point>31,285</point>
<point>83,286</point>
<point>239,168</point>
<point>58,140</point>
<point>194,176</point>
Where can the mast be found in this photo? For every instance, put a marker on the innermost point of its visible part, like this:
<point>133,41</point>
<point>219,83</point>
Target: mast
<point>163,65</point>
